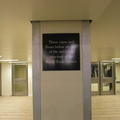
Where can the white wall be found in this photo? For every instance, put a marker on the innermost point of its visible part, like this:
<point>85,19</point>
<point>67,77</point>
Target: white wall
<point>6,79</point>
<point>29,79</point>
<point>117,66</point>
<point>61,91</point>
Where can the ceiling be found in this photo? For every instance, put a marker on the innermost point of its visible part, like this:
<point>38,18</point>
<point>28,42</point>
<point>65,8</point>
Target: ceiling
<point>16,29</point>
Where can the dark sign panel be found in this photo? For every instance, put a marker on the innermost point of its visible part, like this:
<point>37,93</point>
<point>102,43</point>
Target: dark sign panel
<point>61,51</point>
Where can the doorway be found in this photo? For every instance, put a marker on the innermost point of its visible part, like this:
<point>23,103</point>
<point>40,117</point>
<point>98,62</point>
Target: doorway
<point>107,78</point>
<point>95,78</point>
<point>103,78</point>
<point>19,79</point>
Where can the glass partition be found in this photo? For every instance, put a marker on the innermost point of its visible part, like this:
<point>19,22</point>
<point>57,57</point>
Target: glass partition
<point>106,87</point>
<point>107,69</point>
<point>20,71</point>
<point>95,80</point>
<point>94,71</point>
<point>94,87</point>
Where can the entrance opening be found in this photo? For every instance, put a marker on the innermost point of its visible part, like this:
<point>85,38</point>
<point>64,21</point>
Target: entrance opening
<point>19,80</point>
<point>103,78</point>
<point>95,78</point>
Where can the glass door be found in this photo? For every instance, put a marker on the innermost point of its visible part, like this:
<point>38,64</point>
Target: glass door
<point>107,78</point>
<point>95,78</point>
<point>20,79</point>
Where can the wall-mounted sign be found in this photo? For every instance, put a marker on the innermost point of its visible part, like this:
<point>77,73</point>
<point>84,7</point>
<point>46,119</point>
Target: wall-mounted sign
<point>61,51</point>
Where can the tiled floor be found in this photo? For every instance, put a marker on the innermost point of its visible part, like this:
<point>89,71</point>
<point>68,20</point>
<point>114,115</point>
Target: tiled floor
<point>20,108</point>
<point>16,108</point>
<point>106,107</point>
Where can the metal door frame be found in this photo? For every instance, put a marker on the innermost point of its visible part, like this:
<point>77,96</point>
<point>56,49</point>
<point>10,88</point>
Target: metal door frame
<point>107,80</point>
<point>96,80</point>
<point>13,77</point>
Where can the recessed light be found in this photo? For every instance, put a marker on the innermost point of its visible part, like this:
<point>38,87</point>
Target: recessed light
<point>115,58</point>
<point>19,62</point>
<point>9,60</point>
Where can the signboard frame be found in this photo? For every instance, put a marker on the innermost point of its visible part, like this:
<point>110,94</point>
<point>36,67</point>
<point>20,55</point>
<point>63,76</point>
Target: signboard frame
<point>61,51</point>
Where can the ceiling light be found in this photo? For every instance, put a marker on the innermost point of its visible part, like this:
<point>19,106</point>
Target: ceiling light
<point>106,61</point>
<point>115,58</point>
<point>9,60</point>
<point>0,56</point>
<point>20,62</point>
